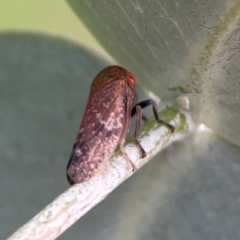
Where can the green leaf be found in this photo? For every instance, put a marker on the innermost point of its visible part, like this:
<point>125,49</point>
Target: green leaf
<point>174,47</point>
<point>44,84</point>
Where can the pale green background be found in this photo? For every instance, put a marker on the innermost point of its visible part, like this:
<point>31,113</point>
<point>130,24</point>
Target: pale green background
<point>54,17</point>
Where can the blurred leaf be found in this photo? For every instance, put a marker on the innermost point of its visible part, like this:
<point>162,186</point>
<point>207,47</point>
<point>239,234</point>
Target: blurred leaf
<point>190,191</point>
<point>44,84</point>
<point>176,47</point>
<point>45,16</point>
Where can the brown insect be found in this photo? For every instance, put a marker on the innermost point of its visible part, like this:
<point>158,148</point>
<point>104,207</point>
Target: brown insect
<point>105,123</point>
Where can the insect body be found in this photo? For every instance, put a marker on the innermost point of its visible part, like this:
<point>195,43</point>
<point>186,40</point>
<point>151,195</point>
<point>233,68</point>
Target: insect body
<point>106,122</point>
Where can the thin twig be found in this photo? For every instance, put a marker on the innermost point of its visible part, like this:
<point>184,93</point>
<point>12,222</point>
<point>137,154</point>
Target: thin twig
<point>66,209</point>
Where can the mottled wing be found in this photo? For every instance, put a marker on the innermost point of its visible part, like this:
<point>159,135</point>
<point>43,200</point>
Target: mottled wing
<point>99,132</point>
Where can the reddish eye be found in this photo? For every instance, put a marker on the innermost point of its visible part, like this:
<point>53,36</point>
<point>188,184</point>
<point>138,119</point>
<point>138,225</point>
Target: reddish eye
<point>131,79</point>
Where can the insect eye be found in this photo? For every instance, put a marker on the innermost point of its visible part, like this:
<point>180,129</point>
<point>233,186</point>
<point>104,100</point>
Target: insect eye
<point>131,78</point>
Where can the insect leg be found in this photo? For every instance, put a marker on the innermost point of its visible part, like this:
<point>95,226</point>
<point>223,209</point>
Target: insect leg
<point>137,129</point>
<point>144,118</point>
<point>126,157</point>
<point>146,103</point>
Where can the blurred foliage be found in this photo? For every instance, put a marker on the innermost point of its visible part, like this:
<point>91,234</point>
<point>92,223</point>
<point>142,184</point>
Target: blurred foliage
<point>54,17</point>
<point>175,48</point>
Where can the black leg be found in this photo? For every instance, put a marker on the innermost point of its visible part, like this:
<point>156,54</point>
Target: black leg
<point>144,118</point>
<point>137,110</point>
<point>146,103</point>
